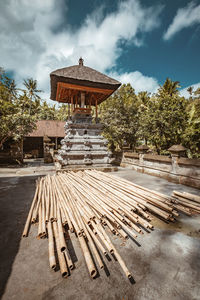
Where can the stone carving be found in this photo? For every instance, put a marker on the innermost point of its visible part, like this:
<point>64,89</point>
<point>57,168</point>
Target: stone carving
<point>83,144</point>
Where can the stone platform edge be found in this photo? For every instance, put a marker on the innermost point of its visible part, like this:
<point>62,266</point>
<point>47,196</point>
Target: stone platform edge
<point>82,168</point>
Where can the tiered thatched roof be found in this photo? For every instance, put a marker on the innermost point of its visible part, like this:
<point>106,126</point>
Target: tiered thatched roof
<point>83,76</point>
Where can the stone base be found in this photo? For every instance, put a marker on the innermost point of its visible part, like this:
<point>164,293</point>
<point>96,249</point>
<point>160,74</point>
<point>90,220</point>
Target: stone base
<point>83,146</point>
<point>102,168</point>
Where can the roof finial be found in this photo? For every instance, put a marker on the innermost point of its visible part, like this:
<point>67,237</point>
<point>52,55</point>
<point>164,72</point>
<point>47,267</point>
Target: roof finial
<point>80,61</point>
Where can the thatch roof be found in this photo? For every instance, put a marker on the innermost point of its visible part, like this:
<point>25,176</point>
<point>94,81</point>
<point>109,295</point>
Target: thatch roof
<point>81,75</point>
<point>48,128</point>
<point>177,148</point>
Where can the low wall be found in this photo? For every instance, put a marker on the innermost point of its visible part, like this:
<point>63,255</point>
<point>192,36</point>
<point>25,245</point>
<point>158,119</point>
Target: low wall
<point>179,170</point>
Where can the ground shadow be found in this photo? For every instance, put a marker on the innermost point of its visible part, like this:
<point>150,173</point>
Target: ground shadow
<point>16,194</point>
<point>70,248</point>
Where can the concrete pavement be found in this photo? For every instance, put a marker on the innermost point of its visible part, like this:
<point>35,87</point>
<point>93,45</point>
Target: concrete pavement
<point>165,263</point>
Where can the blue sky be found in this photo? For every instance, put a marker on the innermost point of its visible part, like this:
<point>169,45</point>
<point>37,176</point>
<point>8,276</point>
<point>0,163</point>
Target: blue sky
<point>138,41</point>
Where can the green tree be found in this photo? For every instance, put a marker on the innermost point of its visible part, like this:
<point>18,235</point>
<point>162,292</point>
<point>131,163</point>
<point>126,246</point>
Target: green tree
<point>143,132</point>
<point>47,112</point>
<point>15,120</point>
<point>31,86</point>
<point>190,90</point>
<point>192,132</point>
<point>164,118</point>
<point>62,112</point>
<point>169,88</point>
<point>119,114</point>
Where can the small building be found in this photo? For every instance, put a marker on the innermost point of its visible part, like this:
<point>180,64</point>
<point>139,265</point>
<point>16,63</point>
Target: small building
<point>33,144</point>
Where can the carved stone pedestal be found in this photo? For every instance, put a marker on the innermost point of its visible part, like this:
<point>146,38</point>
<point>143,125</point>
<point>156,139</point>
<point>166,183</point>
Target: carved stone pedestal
<point>83,145</point>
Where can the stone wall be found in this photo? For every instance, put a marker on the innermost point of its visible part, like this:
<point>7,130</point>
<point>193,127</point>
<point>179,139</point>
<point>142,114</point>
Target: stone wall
<point>176,169</point>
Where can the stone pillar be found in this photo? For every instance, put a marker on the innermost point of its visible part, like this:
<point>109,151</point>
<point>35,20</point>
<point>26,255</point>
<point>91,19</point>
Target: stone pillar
<point>142,150</point>
<point>176,152</point>
<point>48,150</point>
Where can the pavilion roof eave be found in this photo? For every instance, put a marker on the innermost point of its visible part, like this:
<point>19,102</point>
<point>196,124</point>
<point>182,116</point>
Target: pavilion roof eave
<point>64,92</point>
<point>82,83</point>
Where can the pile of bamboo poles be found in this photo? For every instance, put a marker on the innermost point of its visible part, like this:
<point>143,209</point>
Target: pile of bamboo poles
<point>90,203</point>
<point>186,202</point>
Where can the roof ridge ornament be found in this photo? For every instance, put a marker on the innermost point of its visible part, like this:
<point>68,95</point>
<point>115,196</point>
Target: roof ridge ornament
<point>81,61</point>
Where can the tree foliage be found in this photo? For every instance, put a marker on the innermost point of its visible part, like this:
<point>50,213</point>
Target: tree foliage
<point>21,108</point>
<point>192,132</point>
<point>15,120</point>
<point>159,120</point>
<point>119,114</point>
<point>163,120</point>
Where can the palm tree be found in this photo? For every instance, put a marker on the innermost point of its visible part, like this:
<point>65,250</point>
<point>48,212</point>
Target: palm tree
<point>31,86</point>
<point>190,90</point>
<point>197,92</point>
<point>169,87</point>
<point>144,98</point>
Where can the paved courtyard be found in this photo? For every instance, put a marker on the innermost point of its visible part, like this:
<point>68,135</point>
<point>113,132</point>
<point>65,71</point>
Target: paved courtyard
<point>165,263</point>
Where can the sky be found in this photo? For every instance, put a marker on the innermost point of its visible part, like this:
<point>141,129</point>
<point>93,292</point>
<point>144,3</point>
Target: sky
<point>141,42</point>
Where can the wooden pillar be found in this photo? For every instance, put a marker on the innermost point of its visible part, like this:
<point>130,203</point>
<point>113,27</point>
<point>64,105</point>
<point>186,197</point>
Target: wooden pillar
<point>96,108</point>
<point>72,102</point>
<point>90,102</point>
<point>76,100</point>
<point>56,143</point>
<point>82,99</point>
<point>68,111</point>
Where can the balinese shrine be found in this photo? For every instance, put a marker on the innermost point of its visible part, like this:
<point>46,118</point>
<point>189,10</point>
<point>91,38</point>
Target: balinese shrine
<point>82,88</point>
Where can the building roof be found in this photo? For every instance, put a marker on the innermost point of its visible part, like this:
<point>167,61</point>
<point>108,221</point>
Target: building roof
<point>177,148</point>
<point>81,75</point>
<point>48,128</point>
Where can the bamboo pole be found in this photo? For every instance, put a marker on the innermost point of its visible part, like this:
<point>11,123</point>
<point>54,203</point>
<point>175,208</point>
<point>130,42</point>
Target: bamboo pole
<point>52,260</point>
<point>51,215</point>
<point>93,203</point>
<point>62,241</point>
<point>88,259</point>
<point>61,258</point>
<point>93,246</point>
<point>28,221</point>
<point>65,208</point>
<point>61,237</point>
<point>189,196</point>
<point>94,236</point>
<point>187,203</point>
<point>43,214</point>
<point>135,193</point>
<point>40,222</point>
<point>68,259</point>
<point>122,264</point>
<point>69,207</point>
<point>47,197</point>
<point>35,213</point>
<point>185,200</point>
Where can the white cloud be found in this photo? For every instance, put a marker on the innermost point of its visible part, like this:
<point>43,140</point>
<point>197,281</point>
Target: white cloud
<point>31,48</point>
<point>185,17</point>
<point>184,91</point>
<point>138,81</point>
